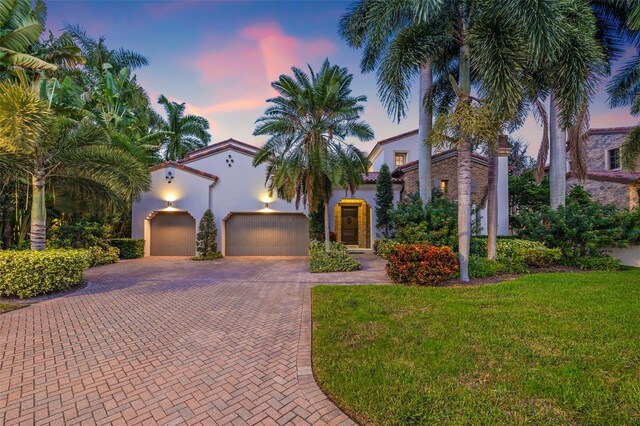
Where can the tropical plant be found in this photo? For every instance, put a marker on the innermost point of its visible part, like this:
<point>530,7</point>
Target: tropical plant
<point>519,160</point>
<point>384,200</point>
<point>185,133</point>
<point>20,27</point>
<point>400,47</point>
<point>57,149</point>
<point>308,124</point>
<point>504,45</point>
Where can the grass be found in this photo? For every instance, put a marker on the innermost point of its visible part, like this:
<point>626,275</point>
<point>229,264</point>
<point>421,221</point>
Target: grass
<point>6,307</point>
<point>542,349</point>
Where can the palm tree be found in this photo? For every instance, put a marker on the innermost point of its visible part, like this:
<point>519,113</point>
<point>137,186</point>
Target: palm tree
<point>20,27</point>
<point>51,147</point>
<point>503,46</point>
<point>400,48</point>
<point>185,132</point>
<point>308,124</point>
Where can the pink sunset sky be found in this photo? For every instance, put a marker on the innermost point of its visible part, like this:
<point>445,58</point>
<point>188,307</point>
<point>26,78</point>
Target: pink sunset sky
<point>221,56</point>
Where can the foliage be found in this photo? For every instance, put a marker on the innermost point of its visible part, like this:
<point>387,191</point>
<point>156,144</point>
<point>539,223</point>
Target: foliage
<point>31,273</point>
<point>308,124</point>
<point>526,194</point>
<point>397,355</point>
<point>384,200</point>
<point>519,160</point>
<point>187,132</point>
<point>384,248</point>
<point>435,223</point>
<point>337,260</point>
<point>103,255</point>
<point>598,263</point>
<point>80,234</point>
<point>421,264</point>
<point>130,248</point>
<point>518,256</point>
<point>580,229</point>
<point>480,267</point>
<point>206,239</point>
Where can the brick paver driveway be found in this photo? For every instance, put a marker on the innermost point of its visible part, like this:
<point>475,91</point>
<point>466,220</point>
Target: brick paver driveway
<point>171,341</point>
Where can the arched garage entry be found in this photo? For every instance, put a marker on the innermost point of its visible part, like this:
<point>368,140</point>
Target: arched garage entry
<point>266,234</point>
<point>173,233</point>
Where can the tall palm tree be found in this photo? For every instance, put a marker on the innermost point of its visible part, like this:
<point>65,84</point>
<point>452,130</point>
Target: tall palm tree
<point>48,146</point>
<point>20,27</point>
<point>185,132</point>
<point>308,124</point>
<point>503,44</point>
<point>400,48</point>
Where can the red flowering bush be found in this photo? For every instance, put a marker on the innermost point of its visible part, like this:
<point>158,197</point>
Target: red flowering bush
<point>421,264</point>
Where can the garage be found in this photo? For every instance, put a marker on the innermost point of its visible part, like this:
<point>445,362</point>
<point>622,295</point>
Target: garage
<point>173,234</point>
<point>266,234</point>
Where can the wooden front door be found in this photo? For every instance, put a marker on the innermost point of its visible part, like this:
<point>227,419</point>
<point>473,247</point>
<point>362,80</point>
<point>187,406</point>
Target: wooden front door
<point>350,225</point>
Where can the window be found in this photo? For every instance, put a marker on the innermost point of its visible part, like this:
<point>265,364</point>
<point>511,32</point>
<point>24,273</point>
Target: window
<point>613,158</point>
<point>444,187</point>
<point>400,159</point>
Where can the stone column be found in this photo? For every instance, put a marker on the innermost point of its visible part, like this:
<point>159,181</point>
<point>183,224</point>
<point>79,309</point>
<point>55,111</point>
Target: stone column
<point>503,185</point>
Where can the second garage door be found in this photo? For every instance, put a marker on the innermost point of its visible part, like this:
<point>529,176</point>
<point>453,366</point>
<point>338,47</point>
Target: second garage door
<point>267,234</point>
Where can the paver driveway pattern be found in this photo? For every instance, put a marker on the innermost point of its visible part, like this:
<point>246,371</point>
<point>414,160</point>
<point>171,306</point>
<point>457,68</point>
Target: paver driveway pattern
<point>171,341</point>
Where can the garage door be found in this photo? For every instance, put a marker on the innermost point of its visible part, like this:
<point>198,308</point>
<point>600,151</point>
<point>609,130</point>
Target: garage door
<point>173,234</point>
<point>267,234</point>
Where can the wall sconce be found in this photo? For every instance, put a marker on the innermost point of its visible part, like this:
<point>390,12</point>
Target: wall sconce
<point>169,203</point>
<point>266,205</point>
<point>169,176</point>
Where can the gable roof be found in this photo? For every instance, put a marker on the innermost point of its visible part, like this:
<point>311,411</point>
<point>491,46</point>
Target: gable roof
<point>610,130</point>
<point>187,169</point>
<point>218,147</point>
<point>440,156</point>
<point>392,139</point>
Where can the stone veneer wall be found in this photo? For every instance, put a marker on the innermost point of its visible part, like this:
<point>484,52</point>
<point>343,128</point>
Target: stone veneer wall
<point>364,221</point>
<point>447,169</point>
<point>599,143</point>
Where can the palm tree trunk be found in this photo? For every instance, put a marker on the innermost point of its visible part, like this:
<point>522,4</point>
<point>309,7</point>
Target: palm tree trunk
<point>38,212</point>
<point>425,123</point>
<point>464,176</point>
<point>327,231</point>
<point>557,157</point>
<point>492,205</point>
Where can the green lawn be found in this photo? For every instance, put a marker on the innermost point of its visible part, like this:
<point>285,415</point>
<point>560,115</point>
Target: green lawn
<point>543,349</point>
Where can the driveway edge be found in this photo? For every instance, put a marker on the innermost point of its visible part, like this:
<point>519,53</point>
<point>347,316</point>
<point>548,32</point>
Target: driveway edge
<point>328,411</point>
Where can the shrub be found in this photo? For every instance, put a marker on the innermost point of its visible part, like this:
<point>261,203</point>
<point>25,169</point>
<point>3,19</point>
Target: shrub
<point>384,200</point>
<point>103,255</point>
<point>130,248</point>
<point>421,264</point>
<point>383,248</point>
<point>518,255</point>
<point>582,228</point>
<point>81,234</point>
<point>31,273</point>
<point>206,240</point>
<point>434,223</point>
<point>481,267</point>
<point>337,260</point>
<point>599,263</point>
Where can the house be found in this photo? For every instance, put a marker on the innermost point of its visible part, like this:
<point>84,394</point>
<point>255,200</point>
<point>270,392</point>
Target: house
<point>221,177</point>
<point>607,181</point>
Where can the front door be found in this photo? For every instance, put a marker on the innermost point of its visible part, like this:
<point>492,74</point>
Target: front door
<point>350,225</point>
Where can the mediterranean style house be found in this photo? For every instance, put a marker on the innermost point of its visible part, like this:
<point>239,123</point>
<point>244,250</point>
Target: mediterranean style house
<point>607,181</point>
<point>221,177</point>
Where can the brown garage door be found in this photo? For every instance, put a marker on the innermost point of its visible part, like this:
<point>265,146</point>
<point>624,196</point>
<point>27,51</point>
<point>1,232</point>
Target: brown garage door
<point>173,234</point>
<point>267,234</point>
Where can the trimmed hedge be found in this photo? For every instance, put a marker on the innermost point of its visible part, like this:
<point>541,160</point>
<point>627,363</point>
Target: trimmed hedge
<point>32,273</point>
<point>421,264</point>
<point>130,248</point>
<point>338,260</point>
<point>517,255</point>
<point>103,255</point>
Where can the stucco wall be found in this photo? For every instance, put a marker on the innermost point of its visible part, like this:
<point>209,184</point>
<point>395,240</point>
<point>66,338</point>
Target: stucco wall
<point>629,256</point>
<point>240,188</point>
<point>407,144</point>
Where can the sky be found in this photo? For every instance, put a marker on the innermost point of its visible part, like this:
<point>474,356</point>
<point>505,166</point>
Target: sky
<point>219,57</point>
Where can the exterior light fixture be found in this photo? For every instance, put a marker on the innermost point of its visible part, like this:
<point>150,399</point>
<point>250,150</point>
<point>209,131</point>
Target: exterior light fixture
<point>266,205</point>
<point>169,203</point>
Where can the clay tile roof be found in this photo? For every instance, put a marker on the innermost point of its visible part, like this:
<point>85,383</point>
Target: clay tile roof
<point>218,147</point>
<point>188,169</point>
<point>613,176</point>
<point>436,157</point>
<point>372,177</point>
<point>610,130</point>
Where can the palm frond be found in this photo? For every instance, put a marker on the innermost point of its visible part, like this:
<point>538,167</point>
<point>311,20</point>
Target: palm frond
<point>541,115</point>
<point>630,150</point>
